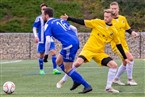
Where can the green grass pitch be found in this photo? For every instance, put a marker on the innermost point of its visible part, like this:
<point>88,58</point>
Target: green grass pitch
<point>25,75</point>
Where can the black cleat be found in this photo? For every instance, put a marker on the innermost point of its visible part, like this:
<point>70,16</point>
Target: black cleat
<point>45,58</point>
<point>86,90</point>
<point>75,85</point>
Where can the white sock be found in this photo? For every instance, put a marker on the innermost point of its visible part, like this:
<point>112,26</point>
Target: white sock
<point>129,68</point>
<point>73,67</point>
<point>111,76</point>
<point>65,77</point>
<point>121,69</point>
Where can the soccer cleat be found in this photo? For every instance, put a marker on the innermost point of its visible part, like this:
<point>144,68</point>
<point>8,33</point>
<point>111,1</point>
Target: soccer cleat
<point>131,83</point>
<point>111,90</point>
<point>75,85</point>
<point>41,72</point>
<point>86,90</point>
<point>55,71</point>
<point>60,83</point>
<point>118,82</point>
<point>45,58</point>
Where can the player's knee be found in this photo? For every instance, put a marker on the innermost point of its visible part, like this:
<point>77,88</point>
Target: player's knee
<point>112,64</point>
<point>77,64</point>
<point>67,69</point>
<point>41,55</point>
<point>80,60</point>
<point>53,52</point>
<point>59,61</point>
<point>115,66</point>
<point>130,58</point>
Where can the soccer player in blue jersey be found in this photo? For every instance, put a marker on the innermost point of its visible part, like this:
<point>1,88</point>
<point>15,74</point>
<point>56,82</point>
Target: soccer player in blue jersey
<point>38,26</point>
<point>60,30</point>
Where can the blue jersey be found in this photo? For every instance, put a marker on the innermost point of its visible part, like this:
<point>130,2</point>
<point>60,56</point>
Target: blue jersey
<point>60,29</point>
<point>39,24</point>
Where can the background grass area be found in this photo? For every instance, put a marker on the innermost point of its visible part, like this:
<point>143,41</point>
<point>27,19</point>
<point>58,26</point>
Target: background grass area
<point>29,83</point>
<point>19,15</point>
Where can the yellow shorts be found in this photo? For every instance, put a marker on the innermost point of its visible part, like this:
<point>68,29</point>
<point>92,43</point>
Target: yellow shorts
<point>97,57</point>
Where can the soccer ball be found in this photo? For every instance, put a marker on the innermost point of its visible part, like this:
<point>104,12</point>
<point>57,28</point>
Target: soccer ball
<point>9,87</point>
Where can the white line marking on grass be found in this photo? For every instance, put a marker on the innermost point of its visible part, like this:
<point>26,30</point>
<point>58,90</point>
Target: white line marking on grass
<point>7,62</point>
<point>77,93</point>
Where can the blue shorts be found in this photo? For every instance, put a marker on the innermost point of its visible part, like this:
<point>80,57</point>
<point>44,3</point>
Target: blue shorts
<point>69,53</point>
<point>41,47</point>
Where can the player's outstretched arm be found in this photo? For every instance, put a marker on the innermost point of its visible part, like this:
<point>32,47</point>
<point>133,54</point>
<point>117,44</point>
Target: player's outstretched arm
<point>79,21</point>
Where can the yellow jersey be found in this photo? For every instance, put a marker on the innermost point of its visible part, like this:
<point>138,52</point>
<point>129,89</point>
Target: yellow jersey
<point>101,34</point>
<point>121,25</point>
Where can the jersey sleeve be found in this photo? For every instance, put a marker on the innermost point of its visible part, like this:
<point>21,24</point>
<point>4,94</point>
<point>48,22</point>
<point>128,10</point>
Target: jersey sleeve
<point>48,31</point>
<point>92,23</point>
<point>126,24</point>
<point>37,22</point>
<point>89,23</point>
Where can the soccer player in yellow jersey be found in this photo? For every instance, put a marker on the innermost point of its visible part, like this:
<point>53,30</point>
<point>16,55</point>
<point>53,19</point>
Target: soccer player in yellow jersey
<point>103,32</point>
<point>122,27</point>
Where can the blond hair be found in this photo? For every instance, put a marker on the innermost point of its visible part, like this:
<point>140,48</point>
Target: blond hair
<point>114,3</point>
<point>108,11</point>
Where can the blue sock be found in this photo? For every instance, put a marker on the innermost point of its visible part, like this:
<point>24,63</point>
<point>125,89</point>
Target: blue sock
<point>40,60</point>
<point>62,67</point>
<point>78,78</point>
<point>54,61</point>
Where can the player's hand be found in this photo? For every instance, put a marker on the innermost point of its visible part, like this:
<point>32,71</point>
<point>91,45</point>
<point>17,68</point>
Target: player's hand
<point>36,39</point>
<point>134,34</point>
<point>127,61</point>
<point>65,16</point>
<point>45,58</point>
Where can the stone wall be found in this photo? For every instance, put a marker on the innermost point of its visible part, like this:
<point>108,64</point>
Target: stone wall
<point>22,46</point>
